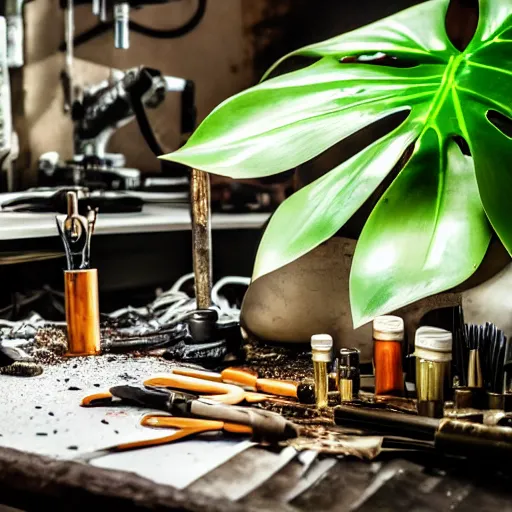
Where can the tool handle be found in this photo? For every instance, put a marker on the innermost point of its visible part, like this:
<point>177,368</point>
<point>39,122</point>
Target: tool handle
<point>198,374</point>
<point>266,425</point>
<point>277,387</point>
<point>472,439</point>
<point>241,377</point>
<point>222,393</point>
<point>385,422</point>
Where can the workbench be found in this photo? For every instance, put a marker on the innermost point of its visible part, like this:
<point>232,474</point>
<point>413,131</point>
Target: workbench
<point>43,431</point>
<point>132,251</point>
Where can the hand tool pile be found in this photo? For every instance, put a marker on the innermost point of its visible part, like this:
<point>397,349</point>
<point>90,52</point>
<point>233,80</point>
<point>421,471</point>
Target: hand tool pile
<point>195,402</point>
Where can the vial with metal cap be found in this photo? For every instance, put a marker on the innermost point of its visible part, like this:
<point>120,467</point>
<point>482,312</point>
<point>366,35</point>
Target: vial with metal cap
<point>321,352</point>
<point>388,335</point>
<point>349,374</point>
<point>433,351</point>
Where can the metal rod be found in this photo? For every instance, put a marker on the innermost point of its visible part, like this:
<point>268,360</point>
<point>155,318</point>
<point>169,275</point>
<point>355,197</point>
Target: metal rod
<point>69,28</point>
<point>201,236</point>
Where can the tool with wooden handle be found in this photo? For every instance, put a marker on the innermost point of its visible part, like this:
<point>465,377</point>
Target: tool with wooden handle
<point>248,379</point>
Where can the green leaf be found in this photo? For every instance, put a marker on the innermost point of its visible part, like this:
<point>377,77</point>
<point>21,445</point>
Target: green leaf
<point>428,232</point>
<point>316,212</point>
<point>288,120</point>
<point>492,153</point>
<point>494,21</point>
<point>281,123</point>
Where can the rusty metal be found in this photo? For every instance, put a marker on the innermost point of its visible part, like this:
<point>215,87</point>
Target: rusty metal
<point>201,236</point>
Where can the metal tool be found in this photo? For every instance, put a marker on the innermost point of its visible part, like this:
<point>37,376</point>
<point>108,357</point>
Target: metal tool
<point>75,232</point>
<point>214,391</point>
<point>91,223</point>
<point>449,436</point>
<point>263,425</point>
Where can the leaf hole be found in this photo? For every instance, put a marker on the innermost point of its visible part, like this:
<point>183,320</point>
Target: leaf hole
<point>346,149</point>
<point>355,225</point>
<point>380,59</point>
<point>463,145</point>
<point>461,22</point>
<point>500,121</point>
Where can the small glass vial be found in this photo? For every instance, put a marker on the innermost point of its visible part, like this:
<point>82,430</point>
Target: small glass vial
<point>388,335</point>
<point>349,374</point>
<point>321,352</point>
<point>433,351</point>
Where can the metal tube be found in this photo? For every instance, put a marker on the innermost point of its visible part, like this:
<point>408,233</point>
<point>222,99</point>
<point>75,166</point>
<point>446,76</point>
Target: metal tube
<point>121,26</point>
<point>201,236</point>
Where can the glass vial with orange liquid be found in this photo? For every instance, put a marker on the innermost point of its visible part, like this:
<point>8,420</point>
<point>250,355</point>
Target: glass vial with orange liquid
<point>388,336</point>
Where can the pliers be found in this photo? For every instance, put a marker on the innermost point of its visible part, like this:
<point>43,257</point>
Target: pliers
<point>211,412</point>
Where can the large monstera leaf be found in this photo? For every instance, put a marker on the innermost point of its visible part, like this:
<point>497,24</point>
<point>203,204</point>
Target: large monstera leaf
<point>431,228</point>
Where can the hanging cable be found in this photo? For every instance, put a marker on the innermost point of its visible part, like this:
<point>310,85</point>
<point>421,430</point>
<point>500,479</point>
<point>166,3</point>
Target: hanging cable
<point>171,33</point>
